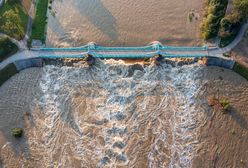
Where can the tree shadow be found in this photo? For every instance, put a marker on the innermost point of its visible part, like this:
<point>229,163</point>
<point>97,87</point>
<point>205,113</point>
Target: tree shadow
<point>99,16</point>
<point>239,119</point>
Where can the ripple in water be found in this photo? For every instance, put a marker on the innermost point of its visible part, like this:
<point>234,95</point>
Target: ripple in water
<point>116,115</point>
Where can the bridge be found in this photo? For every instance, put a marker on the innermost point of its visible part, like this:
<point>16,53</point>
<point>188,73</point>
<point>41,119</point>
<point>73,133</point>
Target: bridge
<point>102,52</point>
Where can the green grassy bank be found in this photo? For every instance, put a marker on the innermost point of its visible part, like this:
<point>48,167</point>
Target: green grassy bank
<point>40,21</point>
<point>241,69</point>
<point>7,48</point>
<point>21,16</point>
<point>7,73</point>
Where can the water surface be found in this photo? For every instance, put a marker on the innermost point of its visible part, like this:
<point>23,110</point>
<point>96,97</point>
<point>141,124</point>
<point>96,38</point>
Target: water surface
<point>124,22</point>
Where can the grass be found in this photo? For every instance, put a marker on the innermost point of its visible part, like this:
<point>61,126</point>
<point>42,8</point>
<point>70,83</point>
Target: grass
<point>40,21</point>
<point>7,48</point>
<point>20,11</point>
<point>7,73</point>
<point>241,69</point>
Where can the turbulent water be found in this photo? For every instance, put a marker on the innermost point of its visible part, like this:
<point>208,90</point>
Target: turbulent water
<point>124,22</point>
<point>117,115</point>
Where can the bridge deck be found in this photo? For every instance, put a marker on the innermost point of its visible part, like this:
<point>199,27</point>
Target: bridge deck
<point>122,52</point>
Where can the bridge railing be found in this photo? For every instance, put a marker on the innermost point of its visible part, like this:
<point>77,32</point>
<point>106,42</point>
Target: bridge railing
<point>122,56</point>
<point>153,47</point>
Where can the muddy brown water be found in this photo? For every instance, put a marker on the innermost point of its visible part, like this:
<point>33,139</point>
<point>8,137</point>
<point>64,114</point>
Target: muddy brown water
<point>111,115</point>
<point>124,22</point>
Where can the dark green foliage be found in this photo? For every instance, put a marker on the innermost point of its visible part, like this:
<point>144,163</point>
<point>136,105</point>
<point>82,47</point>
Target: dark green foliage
<point>231,24</point>
<point>7,48</point>
<point>17,132</point>
<point>14,1</point>
<point>241,69</point>
<point>215,11</point>
<point>7,73</point>
<point>241,7</point>
<point>40,21</point>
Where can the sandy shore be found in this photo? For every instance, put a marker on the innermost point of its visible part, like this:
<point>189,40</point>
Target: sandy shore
<point>223,137</point>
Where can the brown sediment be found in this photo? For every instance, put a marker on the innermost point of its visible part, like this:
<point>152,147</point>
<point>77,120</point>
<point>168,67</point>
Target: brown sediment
<point>223,136</point>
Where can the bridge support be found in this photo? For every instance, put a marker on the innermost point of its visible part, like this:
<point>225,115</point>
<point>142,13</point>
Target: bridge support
<point>158,59</point>
<point>90,59</point>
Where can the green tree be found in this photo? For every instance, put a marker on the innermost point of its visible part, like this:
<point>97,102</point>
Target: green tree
<point>241,6</point>
<point>14,1</point>
<point>12,24</point>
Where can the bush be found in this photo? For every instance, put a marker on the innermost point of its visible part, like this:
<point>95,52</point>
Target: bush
<point>225,105</point>
<point>17,132</point>
<point>14,1</point>
<point>7,73</point>
<point>215,11</point>
<point>7,48</point>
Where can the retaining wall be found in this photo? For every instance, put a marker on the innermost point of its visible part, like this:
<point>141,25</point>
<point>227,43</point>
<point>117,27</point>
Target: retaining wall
<point>214,61</point>
<point>28,63</point>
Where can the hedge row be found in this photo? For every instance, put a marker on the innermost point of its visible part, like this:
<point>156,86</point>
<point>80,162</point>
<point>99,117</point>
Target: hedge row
<point>7,73</point>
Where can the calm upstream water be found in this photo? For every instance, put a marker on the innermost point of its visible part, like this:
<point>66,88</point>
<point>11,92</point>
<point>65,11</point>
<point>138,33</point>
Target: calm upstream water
<point>116,115</point>
<point>124,22</point>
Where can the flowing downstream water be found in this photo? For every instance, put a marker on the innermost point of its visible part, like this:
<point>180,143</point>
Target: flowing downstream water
<point>117,115</point>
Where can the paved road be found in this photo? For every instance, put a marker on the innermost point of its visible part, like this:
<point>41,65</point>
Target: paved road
<point>239,37</point>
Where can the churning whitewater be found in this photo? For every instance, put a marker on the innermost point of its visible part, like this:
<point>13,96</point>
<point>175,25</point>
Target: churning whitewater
<point>117,115</point>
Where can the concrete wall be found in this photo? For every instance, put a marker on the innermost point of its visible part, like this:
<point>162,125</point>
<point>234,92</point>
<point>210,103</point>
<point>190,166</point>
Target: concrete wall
<point>214,61</point>
<point>28,63</point>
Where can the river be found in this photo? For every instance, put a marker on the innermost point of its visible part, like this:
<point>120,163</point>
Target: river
<point>124,22</point>
<point>116,114</point>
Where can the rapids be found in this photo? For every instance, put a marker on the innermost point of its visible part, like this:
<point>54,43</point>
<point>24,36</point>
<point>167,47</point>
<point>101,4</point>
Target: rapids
<point>117,115</point>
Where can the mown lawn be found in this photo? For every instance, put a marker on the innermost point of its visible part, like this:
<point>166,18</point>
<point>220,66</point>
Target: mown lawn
<point>7,73</point>
<point>40,21</point>
<point>20,11</point>
<point>7,48</point>
<point>241,69</point>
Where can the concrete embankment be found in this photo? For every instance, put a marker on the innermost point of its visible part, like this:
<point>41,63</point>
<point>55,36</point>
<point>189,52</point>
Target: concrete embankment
<point>13,68</point>
<point>28,63</point>
<point>224,63</point>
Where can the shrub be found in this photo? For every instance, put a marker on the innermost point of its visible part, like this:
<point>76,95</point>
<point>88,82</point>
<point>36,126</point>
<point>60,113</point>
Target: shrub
<point>13,1</point>
<point>225,105</point>
<point>17,132</point>
<point>215,11</point>
<point>6,73</point>
<point>7,48</point>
